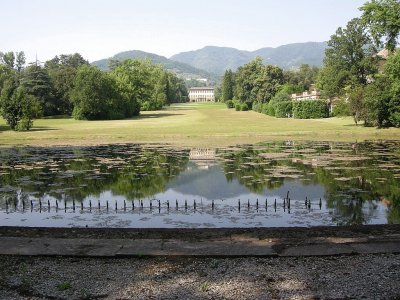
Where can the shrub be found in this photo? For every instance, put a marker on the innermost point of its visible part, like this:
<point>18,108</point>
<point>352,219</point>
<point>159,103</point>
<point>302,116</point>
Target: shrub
<point>264,108</point>
<point>229,104</point>
<point>395,119</point>
<point>341,109</point>
<point>310,109</point>
<point>244,107</point>
<point>270,109</point>
<point>257,106</point>
<point>238,107</point>
<point>283,109</point>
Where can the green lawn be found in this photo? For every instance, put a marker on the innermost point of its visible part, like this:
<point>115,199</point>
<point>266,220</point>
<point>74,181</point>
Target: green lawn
<point>202,125</point>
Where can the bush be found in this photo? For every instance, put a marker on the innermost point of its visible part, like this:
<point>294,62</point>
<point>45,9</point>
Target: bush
<point>310,109</point>
<point>257,106</point>
<point>264,108</point>
<point>283,109</point>
<point>244,107</point>
<point>270,109</point>
<point>395,119</point>
<point>238,106</point>
<point>229,104</point>
<point>341,109</point>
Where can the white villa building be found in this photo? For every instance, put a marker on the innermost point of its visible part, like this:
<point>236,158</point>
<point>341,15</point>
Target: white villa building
<point>201,94</point>
<point>313,95</point>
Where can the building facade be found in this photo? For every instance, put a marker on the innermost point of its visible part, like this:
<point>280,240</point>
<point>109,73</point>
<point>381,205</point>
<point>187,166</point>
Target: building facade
<point>313,95</point>
<point>201,94</point>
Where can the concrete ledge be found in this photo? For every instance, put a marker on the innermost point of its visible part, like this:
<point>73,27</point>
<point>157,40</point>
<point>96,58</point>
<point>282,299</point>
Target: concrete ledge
<point>222,247</point>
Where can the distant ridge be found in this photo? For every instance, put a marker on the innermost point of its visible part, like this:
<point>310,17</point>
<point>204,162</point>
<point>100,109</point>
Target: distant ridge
<point>211,62</point>
<point>218,59</point>
<point>179,68</point>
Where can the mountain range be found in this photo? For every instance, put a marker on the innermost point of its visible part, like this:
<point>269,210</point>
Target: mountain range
<point>218,59</point>
<point>182,69</point>
<point>211,61</point>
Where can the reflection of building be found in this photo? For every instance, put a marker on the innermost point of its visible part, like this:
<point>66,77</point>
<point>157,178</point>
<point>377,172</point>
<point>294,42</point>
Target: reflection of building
<point>203,158</point>
<point>201,94</point>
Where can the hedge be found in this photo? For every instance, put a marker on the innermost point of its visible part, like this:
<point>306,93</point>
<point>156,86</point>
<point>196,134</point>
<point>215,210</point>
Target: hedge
<point>310,109</point>
<point>283,109</point>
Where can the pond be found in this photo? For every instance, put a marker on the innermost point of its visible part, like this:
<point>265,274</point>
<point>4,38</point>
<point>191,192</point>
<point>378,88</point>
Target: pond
<point>271,184</point>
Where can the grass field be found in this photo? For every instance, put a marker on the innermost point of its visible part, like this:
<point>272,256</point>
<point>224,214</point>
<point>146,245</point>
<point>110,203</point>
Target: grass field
<point>193,125</point>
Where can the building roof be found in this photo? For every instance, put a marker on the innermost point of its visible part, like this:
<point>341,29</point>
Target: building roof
<point>202,88</point>
<point>384,53</point>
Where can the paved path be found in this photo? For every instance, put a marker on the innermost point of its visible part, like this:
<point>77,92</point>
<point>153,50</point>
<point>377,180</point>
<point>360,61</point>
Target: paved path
<point>240,245</point>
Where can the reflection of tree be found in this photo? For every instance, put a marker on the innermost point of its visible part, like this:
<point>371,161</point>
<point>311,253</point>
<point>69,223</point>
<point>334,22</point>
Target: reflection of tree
<point>249,172</point>
<point>75,173</point>
<point>353,184</point>
<point>158,169</point>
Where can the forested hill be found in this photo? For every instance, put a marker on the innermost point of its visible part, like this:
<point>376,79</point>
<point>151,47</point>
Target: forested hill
<point>212,61</point>
<point>179,68</point>
<point>218,59</point>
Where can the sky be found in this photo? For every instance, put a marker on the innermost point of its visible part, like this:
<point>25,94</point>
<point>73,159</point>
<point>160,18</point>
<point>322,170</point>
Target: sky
<point>101,28</point>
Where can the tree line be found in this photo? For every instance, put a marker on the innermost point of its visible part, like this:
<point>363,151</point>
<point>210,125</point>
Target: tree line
<point>362,81</point>
<point>69,85</point>
<point>267,88</point>
<point>354,78</point>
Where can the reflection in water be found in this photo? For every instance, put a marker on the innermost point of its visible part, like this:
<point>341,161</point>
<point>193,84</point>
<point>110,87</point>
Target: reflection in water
<point>266,185</point>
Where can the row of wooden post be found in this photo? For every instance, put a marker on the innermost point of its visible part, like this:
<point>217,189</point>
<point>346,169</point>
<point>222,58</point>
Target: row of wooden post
<point>286,204</point>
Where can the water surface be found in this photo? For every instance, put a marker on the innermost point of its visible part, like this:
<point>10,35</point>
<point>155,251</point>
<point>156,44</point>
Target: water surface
<point>270,184</point>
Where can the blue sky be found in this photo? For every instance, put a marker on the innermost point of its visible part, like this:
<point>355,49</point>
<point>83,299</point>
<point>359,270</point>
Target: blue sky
<point>101,28</point>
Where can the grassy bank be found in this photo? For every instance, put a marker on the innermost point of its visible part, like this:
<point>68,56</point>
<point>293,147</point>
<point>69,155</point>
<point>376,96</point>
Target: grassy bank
<point>202,125</point>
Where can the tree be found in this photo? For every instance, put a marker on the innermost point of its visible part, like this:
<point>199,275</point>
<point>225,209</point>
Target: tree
<point>349,65</point>
<point>18,107</point>
<point>37,83</point>
<point>350,56</point>
<point>332,80</point>
<point>133,82</point>
<point>95,96</point>
<point>62,71</point>
<point>14,61</point>
<point>304,77</point>
<point>10,109</point>
<point>30,108</point>
<point>285,92</point>
<point>356,101</point>
<point>8,59</point>
<point>176,89</point>
<point>392,71</point>
<point>113,64</point>
<point>268,83</point>
<point>377,102</point>
<point>20,60</point>
<point>227,85</point>
<point>5,74</point>
<point>145,83</point>
<point>255,82</point>
<point>383,20</point>
<point>245,79</point>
